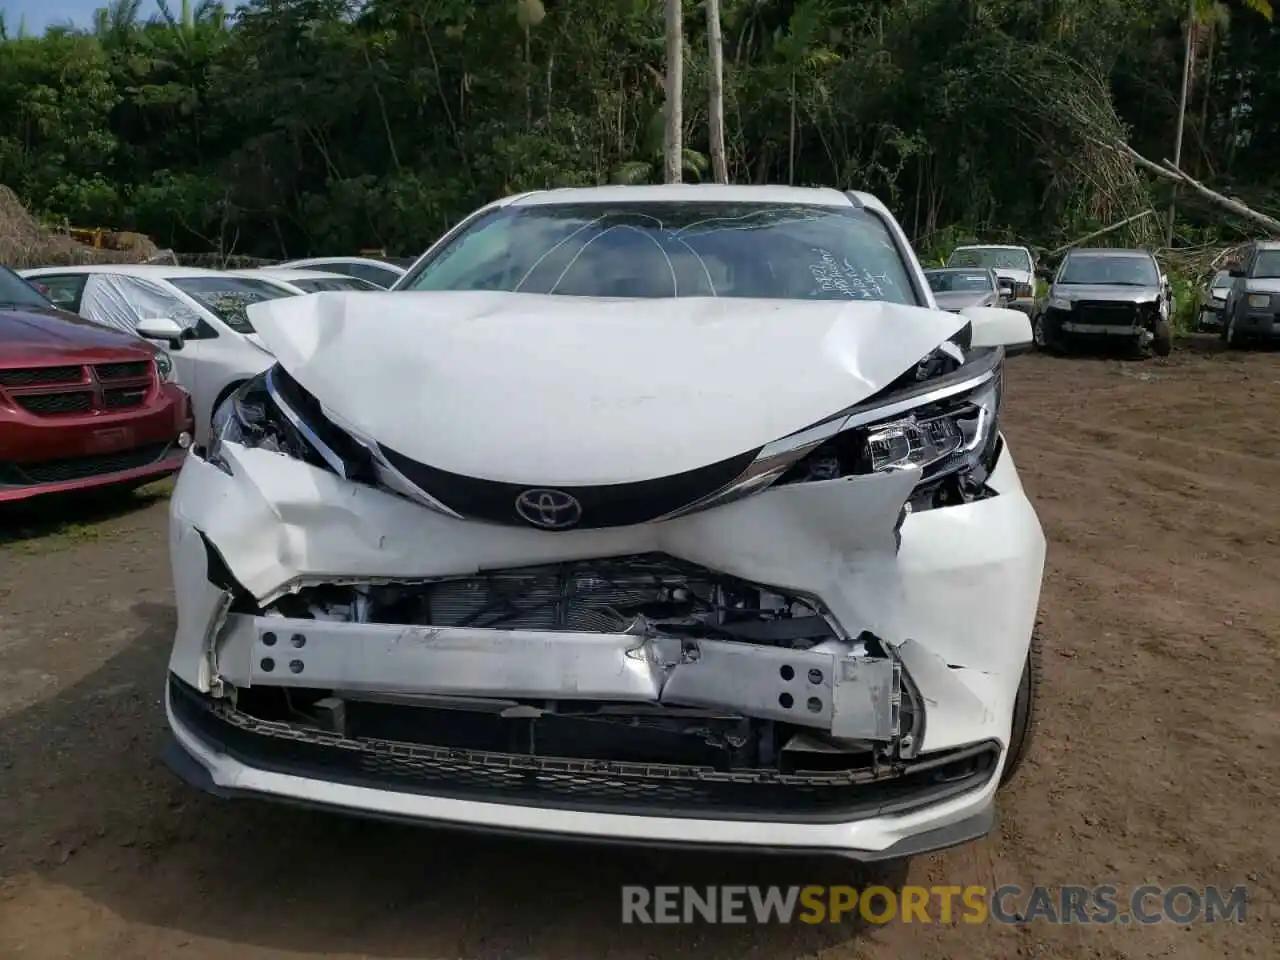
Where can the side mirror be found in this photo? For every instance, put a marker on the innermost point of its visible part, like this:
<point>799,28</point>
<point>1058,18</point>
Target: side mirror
<point>999,327</point>
<point>1006,289</point>
<point>1235,270</point>
<point>162,328</point>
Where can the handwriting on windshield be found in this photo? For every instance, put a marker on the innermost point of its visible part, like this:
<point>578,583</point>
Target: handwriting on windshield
<point>840,276</point>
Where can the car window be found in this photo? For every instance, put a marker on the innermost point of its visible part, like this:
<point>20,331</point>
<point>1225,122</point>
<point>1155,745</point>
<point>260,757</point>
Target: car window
<point>959,281</point>
<point>1221,279</point>
<point>62,290</point>
<point>229,297</point>
<point>120,301</point>
<point>320,285</point>
<point>661,250</point>
<point>18,292</point>
<point>999,258</point>
<point>1266,265</point>
<point>1110,270</point>
<point>381,277</point>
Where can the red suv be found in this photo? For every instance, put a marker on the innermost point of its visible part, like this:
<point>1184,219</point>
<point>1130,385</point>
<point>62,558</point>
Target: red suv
<point>81,406</point>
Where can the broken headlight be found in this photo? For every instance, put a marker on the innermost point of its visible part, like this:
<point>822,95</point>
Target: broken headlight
<point>272,412</point>
<point>946,427</point>
<point>953,441</point>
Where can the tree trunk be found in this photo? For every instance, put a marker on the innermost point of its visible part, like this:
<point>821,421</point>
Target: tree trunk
<point>1182,113</point>
<point>791,135</point>
<point>715,110</point>
<point>672,147</point>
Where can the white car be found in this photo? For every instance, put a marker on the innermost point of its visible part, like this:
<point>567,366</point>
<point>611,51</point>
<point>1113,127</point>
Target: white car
<point>1017,265</point>
<point>301,282</point>
<point>377,272</point>
<point>667,515</point>
<point>198,315</point>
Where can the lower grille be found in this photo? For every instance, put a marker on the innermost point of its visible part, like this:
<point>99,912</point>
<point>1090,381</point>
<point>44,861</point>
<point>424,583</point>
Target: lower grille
<point>639,789</point>
<point>80,468</point>
<point>1106,314</point>
<point>50,404</point>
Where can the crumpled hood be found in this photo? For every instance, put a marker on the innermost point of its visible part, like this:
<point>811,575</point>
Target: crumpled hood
<point>1103,291</point>
<point>561,390</point>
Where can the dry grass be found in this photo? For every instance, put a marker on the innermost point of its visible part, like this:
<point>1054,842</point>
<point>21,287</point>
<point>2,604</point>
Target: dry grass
<point>25,242</point>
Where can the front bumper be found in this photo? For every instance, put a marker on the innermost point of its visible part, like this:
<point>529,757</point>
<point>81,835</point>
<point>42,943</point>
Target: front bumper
<point>79,452</point>
<point>956,602</point>
<point>1258,323</point>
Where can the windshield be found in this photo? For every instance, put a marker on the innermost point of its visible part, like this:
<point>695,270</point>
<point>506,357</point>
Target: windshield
<point>959,281</point>
<point>16,292</point>
<point>1220,279</point>
<point>334,283</point>
<point>228,298</point>
<point>1267,265</point>
<point>1000,258</point>
<point>1110,270</point>
<point>660,250</point>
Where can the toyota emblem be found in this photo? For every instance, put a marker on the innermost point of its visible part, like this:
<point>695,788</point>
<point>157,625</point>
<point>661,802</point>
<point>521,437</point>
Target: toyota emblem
<point>549,509</point>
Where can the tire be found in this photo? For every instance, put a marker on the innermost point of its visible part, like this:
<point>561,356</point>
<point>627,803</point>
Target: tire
<point>1025,708</point>
<point>1162,345</point>
<point>1040,334</point>
<point>1233,338</point>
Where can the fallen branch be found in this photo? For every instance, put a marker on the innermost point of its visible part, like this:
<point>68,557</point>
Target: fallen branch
<point>1168,171</point>
<point>1097,233</point>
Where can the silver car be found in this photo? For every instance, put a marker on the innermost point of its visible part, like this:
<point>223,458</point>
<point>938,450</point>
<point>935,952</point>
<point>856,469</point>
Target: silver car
<point>955,288</point>
<point>1107,295</point>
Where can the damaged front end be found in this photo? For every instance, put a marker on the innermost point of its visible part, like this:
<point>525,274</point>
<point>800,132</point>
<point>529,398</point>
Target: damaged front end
<point>621,684</point>
<point>824,634</point>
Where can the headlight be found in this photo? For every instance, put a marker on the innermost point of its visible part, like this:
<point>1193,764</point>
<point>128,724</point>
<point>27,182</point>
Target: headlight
<point>946,427</point>
<point>1259,299</point>
<point>1058,303</point>
<point>164,367</point>
<point>258,415</point>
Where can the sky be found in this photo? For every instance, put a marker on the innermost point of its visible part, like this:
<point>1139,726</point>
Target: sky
<point>43,13</point>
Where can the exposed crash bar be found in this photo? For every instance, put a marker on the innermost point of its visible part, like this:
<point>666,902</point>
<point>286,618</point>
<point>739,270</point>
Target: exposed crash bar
<point>826,687</point>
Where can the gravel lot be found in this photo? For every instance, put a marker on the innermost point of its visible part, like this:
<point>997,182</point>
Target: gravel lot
<point>1158,758</point>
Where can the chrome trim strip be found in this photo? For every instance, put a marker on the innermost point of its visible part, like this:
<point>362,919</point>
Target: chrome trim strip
<point>335,462</point>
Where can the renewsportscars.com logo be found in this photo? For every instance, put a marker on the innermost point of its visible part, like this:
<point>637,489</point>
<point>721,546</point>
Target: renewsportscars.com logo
<point>1009,903</point>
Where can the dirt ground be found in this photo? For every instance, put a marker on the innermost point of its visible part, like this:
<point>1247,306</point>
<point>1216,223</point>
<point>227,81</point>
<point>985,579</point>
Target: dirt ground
<point>1157,761</point>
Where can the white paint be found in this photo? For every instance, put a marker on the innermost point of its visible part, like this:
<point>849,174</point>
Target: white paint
<point>542,389</point>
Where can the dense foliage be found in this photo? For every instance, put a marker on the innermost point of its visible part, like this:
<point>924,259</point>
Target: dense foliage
<point>288,127</point>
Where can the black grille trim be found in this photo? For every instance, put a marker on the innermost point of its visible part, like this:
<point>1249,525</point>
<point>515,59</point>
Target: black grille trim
<point>81,468</point>
<point>635,789</point>
<point>39,376</point>
<point>604,505</point>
